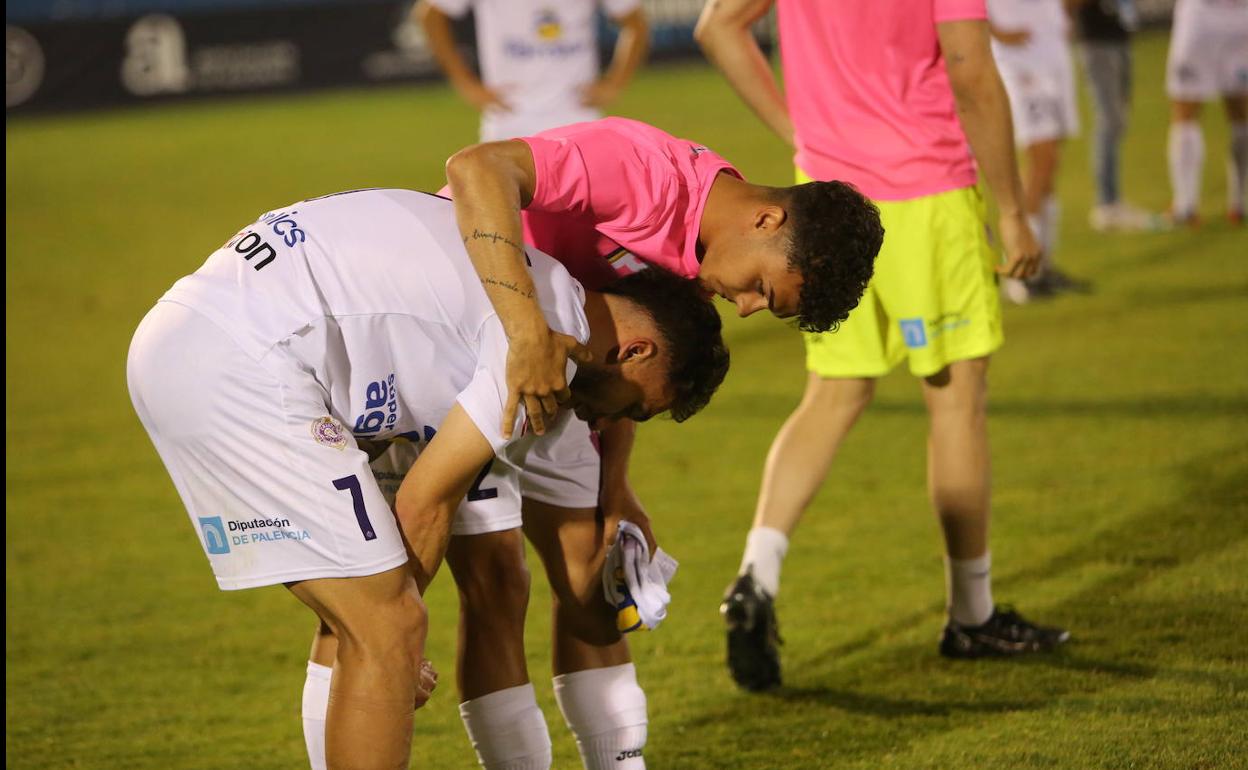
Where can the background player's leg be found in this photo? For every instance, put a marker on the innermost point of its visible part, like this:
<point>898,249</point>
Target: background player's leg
<point>1237,162</point>
<point>1042,210</point>
<point>497,703</point>
<point>595,682</point>
<point>796,466</point>
<point>958,476</point>
<point>380,623</point>
<point>1186,150</point>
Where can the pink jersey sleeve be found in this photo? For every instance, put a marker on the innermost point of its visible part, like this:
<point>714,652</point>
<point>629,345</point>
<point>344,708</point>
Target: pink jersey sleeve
<point>593,173</point>
<point>958,10</point>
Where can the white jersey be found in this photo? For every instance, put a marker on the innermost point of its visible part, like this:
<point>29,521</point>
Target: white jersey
<point>539,55</point>
<point>1044,20</point>
<point>1208,50</point>
<point>372,292</point>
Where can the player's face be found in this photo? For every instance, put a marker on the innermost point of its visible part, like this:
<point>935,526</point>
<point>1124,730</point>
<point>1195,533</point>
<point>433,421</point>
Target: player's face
<point>754,280</point>
<point>626,390</point>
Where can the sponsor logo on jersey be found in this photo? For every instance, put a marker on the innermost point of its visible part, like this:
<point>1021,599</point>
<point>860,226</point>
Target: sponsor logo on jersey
<point>215,540</point>
<point>913,332</point>
<point>284,225</point>
<point>548,26</point>
<point>329,432</point>
<point>381,408</point>
<point>220,535</point>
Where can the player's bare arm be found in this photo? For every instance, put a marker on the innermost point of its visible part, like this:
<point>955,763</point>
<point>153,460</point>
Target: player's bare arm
<point>437,28</point>
<point>984,111</point>
<point>631,47</point>
<point>723,32</point>
<point>433,488</point>
<point>490,184</point>
<point>617,495</point>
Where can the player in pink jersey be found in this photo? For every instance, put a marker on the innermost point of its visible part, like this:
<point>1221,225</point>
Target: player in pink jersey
<point>900,98</point>
<point>605,197</point>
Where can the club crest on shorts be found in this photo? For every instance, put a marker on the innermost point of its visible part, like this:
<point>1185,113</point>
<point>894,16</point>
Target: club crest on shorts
<point>329,432</point>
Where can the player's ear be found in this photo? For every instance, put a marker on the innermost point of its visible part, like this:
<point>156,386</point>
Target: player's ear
<point>638,350</point>
<point>770,217</point>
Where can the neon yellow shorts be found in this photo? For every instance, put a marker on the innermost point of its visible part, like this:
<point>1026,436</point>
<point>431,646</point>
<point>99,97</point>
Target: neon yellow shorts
<point>933,298</point>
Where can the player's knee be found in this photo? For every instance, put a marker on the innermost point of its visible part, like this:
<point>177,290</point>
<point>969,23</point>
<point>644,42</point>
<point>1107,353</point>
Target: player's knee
<point>826,397</point>
<point>392,629</point>
<point>494,580</point>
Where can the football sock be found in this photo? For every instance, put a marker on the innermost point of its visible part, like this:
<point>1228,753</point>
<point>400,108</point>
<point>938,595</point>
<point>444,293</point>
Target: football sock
<point>1039,228</point>
<point>605,709</point>
<point>764,554</point>
<point>315,706</point>
<point>1187,156</point>
<point>1237,166</point>
<point>968,584</point>
<point>507,730</point>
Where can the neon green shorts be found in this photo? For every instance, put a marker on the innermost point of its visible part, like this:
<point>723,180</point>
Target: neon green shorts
<point>933,298</point>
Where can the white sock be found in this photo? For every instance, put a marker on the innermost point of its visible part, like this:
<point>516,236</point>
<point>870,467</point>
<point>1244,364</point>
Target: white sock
<point>605,709</point>
<point>968,583</point>
<point>1187,157</point>
<point>1237,166</point>
<point>315,706</point>
<point>507,730</point>
<point>764,554</point>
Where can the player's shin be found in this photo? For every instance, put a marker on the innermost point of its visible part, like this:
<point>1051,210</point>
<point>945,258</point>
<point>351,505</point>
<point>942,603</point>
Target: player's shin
<point>605,709</point>
<point>508,730</point>
<point>1186,156</point>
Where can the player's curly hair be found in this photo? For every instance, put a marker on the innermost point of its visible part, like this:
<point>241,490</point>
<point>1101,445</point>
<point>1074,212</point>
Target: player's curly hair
<point>835,237</point>
<point>691,330</point>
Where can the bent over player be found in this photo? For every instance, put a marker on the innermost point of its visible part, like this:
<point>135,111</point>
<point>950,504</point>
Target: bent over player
<point>358,316</point>
<point>609,197</point>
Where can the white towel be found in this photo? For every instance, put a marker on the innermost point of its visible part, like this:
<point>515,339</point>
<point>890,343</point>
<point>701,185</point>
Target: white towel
<point>635,584</point>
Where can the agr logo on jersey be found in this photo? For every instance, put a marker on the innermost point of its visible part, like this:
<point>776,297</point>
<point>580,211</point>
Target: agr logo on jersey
<point>381,408</point>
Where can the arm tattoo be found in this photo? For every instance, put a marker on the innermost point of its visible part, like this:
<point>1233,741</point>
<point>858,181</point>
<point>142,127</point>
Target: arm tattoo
<point>477,235</point>
<point>487,282</point>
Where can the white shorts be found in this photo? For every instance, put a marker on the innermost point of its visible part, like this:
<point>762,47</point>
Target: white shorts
<point>492,504</point>
<point>1208,50</point>
<point>563,466</point>
<point>1042,99</point>
<point>276,489</point>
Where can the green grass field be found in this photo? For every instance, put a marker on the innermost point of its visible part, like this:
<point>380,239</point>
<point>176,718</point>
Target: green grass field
<point>1120,438</point>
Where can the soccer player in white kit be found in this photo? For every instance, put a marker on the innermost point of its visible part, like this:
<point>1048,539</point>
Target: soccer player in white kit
<point>1208,58</point>
<point>1032,49</point>
<point>539,60</point>
<point>357,319</point>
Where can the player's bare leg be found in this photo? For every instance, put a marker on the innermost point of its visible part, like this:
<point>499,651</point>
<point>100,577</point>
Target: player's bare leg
<point>796,466</point>
<point>1186,151</point>
<point>958,469</point>
<point>1237,161</point>
<point>595,681</point>
<point>959,485</point>
<point>380,624</point>
<point>497,702</point>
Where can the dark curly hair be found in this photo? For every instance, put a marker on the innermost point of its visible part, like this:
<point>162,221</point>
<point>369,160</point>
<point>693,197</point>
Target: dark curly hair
<point>691,331</point>
<point>836,233</point>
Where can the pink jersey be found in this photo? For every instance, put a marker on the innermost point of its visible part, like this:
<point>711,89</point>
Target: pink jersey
<point>869,95</point>
<point>614,187</point>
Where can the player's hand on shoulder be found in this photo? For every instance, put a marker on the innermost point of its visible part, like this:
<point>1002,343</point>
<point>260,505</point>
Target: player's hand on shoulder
<point>1022,250</point>
<point>537,377</point>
